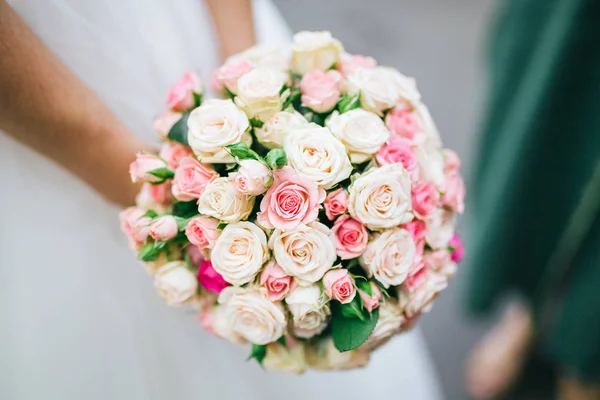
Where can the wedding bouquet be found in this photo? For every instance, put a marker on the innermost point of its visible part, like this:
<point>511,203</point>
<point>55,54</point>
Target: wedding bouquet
<point>309,212</point>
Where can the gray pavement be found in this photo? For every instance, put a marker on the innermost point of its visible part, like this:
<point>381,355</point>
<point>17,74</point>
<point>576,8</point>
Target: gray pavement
<point>439,42</point>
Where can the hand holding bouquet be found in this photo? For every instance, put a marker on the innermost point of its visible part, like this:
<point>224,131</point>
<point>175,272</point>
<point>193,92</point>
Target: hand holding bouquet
<point>309,213</point>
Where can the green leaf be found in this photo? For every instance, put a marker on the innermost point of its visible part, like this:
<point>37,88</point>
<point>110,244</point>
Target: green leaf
<point>185,209</point>
<point>197,99</point>
<point>149,252</point>
<point>162,173</point>
<point>229,93</point>
<point>150,213</point>
<point>221,226</point>
<point>256,123</point>
<point>182,223</point>
<point>282,341</point>
<point>276,158</point>
<point>365,286</point>
<point>354,309</point>
<point>349,333</point>
<point>293,99</point>
<point>259,352</point>
<point>179,131</point>
<point>348,103</point>
<point>242,151</point>
<point>318,119</point>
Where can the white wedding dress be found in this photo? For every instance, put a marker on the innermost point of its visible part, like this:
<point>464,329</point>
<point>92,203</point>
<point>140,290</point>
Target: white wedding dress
<point>79,316</point>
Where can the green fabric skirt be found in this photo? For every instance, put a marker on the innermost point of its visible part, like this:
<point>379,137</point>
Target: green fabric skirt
<point>534,199</point>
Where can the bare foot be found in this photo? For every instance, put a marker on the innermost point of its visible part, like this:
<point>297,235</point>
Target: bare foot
<point>496,362</point>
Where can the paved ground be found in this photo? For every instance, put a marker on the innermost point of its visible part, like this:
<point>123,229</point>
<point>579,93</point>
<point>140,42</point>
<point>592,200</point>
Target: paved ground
<point>439,42</point>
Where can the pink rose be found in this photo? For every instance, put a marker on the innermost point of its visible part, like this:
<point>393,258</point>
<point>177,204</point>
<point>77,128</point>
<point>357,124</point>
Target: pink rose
<point>336,203</point>
<point>454,193</point>
<point>195,255</point>
<point>202,232</point>
<point>371,301</point>
<point>416,277</point>
<point>164,228</point>
<point>437,259</point>
<point>402,122</point>
<point>349,63</point>
<point>191,178</point>
<point>291,199</point>
<point>128,219</point>
<point>173,152</point>
<point>458,248</point>
<point>418,230</point>
<point>140,169</point>
<point>451,161</point>
<point>253,177</point>
<point>181,96</point>
<point>320,90</point>
<point>424,198</point>
<point>351,237</point>
<point>228,75</point>
<point>210,279</point>
<point>399,151</point>
<point>339,285</point>
<point>141,229</point>
<point>160,194</point>
<point>165,122</point>
<point>276,283</point>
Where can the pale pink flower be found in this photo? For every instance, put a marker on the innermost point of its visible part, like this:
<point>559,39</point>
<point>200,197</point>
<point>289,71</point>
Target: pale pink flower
<point>336,203</point>
<point>351,237</point>
<point>191,178</point>
<point>275,282</point>
<point>173,153</point>
<point>181,96</point>
<point>165,122</point>
<point>141,229</point>
<point>417,276</point>
<point>402,122</point>
<point>228,75</point>
<point>128,219</point>
<point>350,62</point>
<point>320,90</point>
<point>339,285</point>
<point>425,198</point>
<point>139,170</point>
<point>291,199</point>
<point>451,161</point>
<point>202,232</point>
<point>371,301</point>
<point>418,230</point>
<point>164,228</point>
<point>253,177</point>
<point>160,194</point>
<point>454,193</point>
<point>399,151</point>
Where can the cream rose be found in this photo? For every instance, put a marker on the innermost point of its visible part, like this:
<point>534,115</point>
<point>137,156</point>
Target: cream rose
<point>390,256</point>
<point>430,159</point>
<point>222,201</point>
<point>216,321</point>
<point>381,198</point>
<point>421,300</point>
<point>274,131</point>
<point>240,252</point>
<point>258,92</point>
<point>214,125</point>
<point>315,50</point>
<point>440,228</point>
<point>252,316</point>
<point>175,283</point>
<point>309,310</point>
<point>389,323</point>
<point>306,252</point>
<point>262,55</point>
<point>288,359</point>
<point>317,155</point>
<point>362,132</point>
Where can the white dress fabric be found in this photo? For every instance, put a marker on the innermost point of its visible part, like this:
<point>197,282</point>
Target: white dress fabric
<point>79,316</point>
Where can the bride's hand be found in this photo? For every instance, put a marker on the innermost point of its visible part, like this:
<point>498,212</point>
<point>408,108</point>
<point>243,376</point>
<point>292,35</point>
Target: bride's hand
<point>46,107</point>
<point>234,24</point>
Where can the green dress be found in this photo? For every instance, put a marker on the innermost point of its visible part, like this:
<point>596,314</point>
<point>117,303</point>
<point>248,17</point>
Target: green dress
<point>535,196</point>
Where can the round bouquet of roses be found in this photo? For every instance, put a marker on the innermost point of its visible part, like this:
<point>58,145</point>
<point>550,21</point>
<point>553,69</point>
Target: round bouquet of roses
<point>309,212</point>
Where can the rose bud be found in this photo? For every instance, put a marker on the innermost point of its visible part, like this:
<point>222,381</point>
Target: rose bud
<point>144,168</point>
<point>253,178</point>
<point>164,228</point>
<point>339,285</point>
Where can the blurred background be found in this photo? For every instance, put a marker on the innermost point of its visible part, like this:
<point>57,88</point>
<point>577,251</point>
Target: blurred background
<point>441,44</point>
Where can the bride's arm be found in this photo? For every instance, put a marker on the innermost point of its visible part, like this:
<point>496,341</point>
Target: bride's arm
<point>43,105</point>
<point>234,25</point>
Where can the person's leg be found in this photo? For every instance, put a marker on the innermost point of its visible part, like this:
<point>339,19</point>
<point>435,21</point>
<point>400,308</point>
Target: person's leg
<point>495,363</point>
<point>572,389</point>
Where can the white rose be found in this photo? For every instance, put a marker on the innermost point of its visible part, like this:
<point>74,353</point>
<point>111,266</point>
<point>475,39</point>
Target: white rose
<point>175,283</point>
<point>216,321</point>
<point>258,92</point>
<point>427,123</point>
<point>381,88</point>
<point>253,177</point>
<point>421,300</point>
<point>252,316</point>
<point>317,155</point>
<point>306,252</point>
<point>262,55</point>
<point>274,131</point>
<point>240,252</point>
<point>288,359</point>
<point>324,356</point>
<point>214,125</point>
<point>381,198</point>
<point>390,257</point>
<point>440,228</point>
<point>145,200</point>
<point>362,132</point>
<point>222,201</point>
<point>430,158</point>
<point>309,310</point>
<point>389,323</point>
<point>315,50</point>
